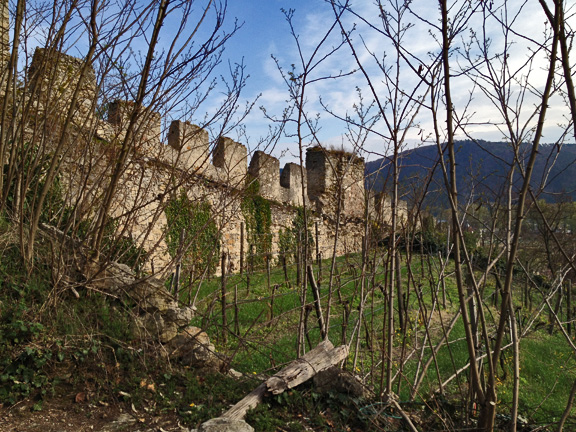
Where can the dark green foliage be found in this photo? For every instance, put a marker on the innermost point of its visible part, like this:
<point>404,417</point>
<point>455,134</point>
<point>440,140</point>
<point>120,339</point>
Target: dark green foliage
<point>110,320</point>
<point>316,411</point>
<point>195,396</point>
<point>31,336</point>
<point>31,170</point>
<point>300,229</point>
<point>15,328</point>
<point>54,203</point>
<point>206,395</point>
<point>432,236</point>
<point>118,248</point>
<point>35,325</point>
<point>286,244</point>
<point>29,176</point>
<point>22,363</point>
<point>290,238</point>
<point>115,247</point>
<point>125,251</point>
<point>258,217</point>
<point>201,235</point>
<point>24,374</point>
<point>31,167</point>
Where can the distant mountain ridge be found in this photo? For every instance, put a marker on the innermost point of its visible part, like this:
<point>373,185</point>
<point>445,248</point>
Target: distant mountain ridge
<point>482,169</point>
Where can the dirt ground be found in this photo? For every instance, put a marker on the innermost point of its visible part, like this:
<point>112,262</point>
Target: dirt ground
<point>67,415</point>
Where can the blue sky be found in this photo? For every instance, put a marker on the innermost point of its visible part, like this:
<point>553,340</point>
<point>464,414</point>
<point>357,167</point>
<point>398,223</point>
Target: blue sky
<point>265,32</point>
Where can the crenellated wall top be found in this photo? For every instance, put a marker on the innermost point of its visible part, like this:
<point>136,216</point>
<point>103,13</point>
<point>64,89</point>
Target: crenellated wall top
<point>188,147</point>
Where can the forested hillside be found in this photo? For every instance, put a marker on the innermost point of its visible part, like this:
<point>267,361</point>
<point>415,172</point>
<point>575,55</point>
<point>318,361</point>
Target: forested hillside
<point>482,170</point>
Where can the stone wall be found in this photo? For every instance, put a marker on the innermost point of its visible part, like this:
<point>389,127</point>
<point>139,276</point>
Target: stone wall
<point>191,144</point>
<point>54,78</point>
<point>213,171</point>
<point>147,124</point>
<point>293,184</point>
<point>336,182</point>
<point>380,210</point>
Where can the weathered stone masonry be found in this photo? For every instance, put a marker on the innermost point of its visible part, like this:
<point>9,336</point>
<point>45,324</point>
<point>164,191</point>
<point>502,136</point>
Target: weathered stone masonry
<point>216,173</point>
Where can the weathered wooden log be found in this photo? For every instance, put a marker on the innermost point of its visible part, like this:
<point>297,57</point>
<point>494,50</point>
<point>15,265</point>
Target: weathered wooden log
<point>295,373</point>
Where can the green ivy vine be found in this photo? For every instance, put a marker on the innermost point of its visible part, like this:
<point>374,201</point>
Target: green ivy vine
<point>196,219</point>
<point>258,218</point>
<point>288,238</point>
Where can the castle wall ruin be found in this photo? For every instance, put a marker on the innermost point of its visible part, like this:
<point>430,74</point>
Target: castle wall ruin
<point>214,171</point>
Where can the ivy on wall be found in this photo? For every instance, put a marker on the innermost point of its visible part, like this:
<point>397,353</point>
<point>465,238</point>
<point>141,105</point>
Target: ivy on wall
<point>287,245</point>
<point>289,238</point>
<point>258,218</point>
<point>32,167</point>
<point>201,235</point>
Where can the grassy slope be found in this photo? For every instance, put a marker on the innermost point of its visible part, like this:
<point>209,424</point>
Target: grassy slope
<point>547,364</point>
<point>54,344</point>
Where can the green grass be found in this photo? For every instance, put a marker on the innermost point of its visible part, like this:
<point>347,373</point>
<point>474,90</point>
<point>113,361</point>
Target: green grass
<point>93,334</point>
<point>264,345</point>
<point>547,372</point>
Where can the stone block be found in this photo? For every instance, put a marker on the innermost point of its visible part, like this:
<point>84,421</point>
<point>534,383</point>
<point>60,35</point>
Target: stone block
<point>316,172</point>
<point>181,316</point>
<point>230,158</point>
<point>335,379</point>
<point>54,78</point>
<point>192,144</point>
<point>265,169</point>
<point>331,173</point>
<point>154,326</point>
<point>221,424</point>
<point>192,347</point>
<point>147,129</point>
<point>291,180</point>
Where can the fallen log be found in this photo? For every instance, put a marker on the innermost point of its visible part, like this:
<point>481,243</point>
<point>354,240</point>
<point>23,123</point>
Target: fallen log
<point>295,373</point>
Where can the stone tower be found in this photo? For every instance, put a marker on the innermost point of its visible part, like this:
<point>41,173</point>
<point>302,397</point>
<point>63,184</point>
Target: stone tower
<point>54,77</point>
<point>331,173</point>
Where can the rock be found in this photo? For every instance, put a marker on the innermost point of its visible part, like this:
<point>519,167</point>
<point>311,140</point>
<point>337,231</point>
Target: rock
<point>155,326</point>
<point>192,347</point>
<point>122,423</point>
<point>221,424</point>
<point>337,380</point>
<point>161,317</point>
<point>168,333</point>
<point>195,335</point>
<point>114,278</point>
<point>152,296</point>
<point>105,130</point>
<point>150,293</point>
<point>181,316</point>
<point>235,374</point>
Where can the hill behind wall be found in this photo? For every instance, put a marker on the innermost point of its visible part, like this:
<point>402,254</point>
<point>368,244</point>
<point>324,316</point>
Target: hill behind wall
<point>482,168</point>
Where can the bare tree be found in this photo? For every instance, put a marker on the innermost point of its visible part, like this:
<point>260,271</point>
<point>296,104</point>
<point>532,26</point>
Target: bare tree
<point>174,75</point>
